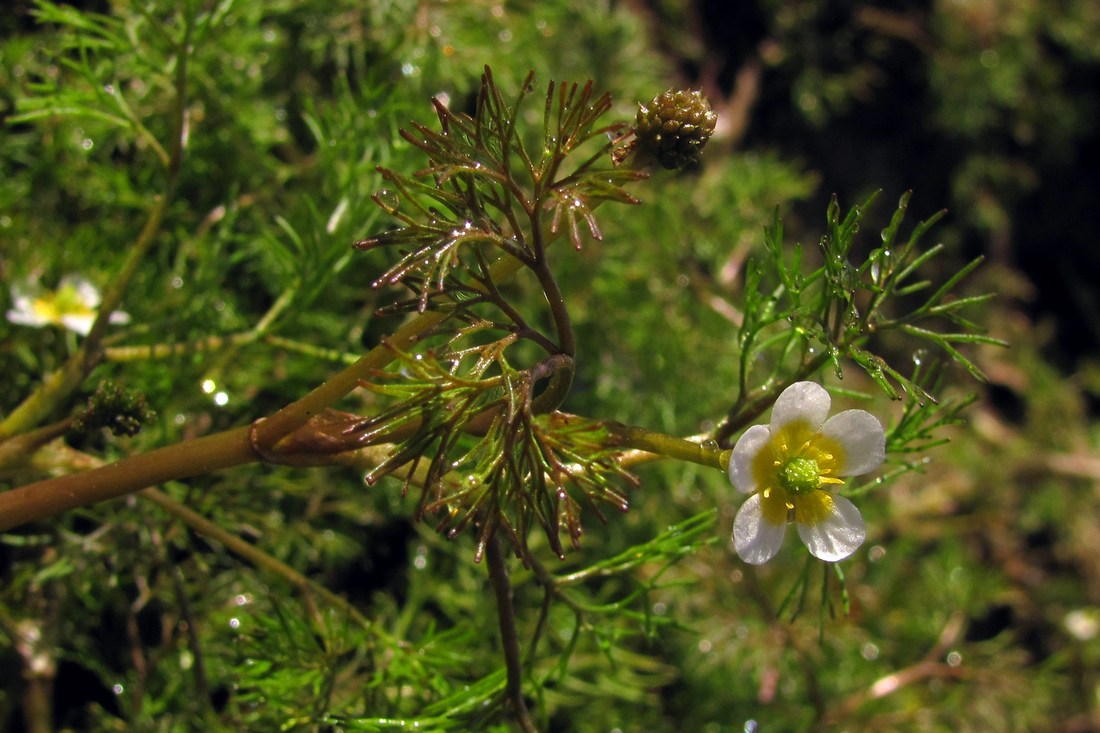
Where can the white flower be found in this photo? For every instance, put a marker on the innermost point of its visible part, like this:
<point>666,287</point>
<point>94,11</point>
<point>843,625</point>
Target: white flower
<point>791,466</point>
<point>73,305</point>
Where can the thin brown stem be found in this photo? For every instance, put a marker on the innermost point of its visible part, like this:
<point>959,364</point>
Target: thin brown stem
<point>254,555</point>
<point>751,406</point>
<point>562,379</point>
<point>18,450</point>
<point>502,589</point>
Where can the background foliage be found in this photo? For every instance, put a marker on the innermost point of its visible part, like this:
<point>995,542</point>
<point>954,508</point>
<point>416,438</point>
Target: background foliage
<point>974,602</point>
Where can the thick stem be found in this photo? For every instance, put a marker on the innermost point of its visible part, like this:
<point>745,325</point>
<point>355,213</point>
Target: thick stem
<point>667,446</point>
<point>38,704</point>
<point>190,458</point>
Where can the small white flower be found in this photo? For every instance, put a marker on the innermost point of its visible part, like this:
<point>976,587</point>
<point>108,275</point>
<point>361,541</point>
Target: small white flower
<point>791,466</point>
<point>73,305</point>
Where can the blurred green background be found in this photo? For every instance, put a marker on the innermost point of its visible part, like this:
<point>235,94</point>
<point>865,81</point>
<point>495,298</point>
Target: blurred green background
<point>976,600</point>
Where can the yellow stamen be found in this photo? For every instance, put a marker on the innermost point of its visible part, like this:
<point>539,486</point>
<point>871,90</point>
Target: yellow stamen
<point>812,508</point>
<point>774,505</point>
<point>808,470</point>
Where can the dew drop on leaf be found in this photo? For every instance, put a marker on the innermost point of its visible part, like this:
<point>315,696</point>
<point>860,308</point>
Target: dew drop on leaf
<point>388,200</point>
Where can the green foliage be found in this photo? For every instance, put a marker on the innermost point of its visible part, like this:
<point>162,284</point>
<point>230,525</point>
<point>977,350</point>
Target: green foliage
<point>209,166</point>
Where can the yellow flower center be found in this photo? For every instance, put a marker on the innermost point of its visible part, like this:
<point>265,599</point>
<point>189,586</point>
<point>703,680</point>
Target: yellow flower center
<point>799,475</point>
<point>66,301</point>
<point>792,472</point>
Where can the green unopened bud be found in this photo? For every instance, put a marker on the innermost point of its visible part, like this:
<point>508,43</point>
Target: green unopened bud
<point>674,127</point>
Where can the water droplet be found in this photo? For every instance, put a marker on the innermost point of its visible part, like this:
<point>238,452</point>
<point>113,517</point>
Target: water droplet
<point>117,688</point>
<point>919,356</point>
<point>388,200</point>
<point>208,386</point>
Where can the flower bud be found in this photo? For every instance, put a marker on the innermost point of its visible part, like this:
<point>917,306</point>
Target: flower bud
<point>114,408</point>
<point>674,127</point>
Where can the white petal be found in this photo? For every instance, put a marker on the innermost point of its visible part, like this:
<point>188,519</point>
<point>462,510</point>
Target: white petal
<point>838,535</point>
<point>802,401</point>
<point>85,291</point>
<point>748,445</point>
<point>863,439</point>
<point>755,540</point>
<point>119,317</point>
<point>81,323</point>
<point>25,314</point>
